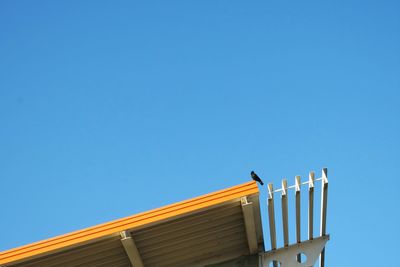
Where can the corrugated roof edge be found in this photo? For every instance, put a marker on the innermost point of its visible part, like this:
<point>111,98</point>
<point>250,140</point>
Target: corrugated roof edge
<point>106,229</point>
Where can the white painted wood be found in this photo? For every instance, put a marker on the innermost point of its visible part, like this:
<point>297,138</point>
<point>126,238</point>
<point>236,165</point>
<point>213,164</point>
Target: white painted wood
<point>287,256</point>
<point>311,178</point>
<point>298,212</point>
<point>248,214</point>
<point>324,203</point>
<point>284,205</point>
<point>298,209</point>
<point>285,219</point>
<point>271,216</point>
<point>131,249</point>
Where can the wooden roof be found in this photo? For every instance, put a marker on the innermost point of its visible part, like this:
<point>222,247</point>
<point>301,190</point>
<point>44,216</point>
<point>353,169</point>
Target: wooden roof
<point>206,229</point>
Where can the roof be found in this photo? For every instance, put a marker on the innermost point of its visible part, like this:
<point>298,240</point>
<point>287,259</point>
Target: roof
<point>207,229</point>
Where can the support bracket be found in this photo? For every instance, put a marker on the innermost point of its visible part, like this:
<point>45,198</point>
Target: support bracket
<point>287,256</point>
<point>248,215</point>
<point>131,249</point>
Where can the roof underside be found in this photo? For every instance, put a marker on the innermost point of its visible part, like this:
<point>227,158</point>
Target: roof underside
<point>210,229</point>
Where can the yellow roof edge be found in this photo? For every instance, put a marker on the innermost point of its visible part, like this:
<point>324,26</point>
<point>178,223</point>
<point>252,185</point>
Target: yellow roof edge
<point>130,222</point>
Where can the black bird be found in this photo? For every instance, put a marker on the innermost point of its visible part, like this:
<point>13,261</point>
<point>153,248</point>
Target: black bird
<point>256,178</point>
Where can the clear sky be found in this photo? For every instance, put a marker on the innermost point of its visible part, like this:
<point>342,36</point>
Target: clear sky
<point>112,108</point>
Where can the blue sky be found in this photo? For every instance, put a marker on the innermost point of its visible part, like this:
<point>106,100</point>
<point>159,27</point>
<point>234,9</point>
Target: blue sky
<point>108,109</point>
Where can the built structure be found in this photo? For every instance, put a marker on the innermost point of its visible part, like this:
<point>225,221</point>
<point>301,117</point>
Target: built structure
<point>220,229</point>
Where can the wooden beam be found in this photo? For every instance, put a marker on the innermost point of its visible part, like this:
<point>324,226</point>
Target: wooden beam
<point>298,209</point>
<point>324,203</point>
<point>248,215</point>
<point>131,249</point>
<point>311,178</point>
<point>298,213</point>
<point>285,220</point>
<point>271,217</point>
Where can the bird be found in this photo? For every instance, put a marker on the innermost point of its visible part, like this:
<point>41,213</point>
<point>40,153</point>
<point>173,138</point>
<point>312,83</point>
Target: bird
<point>256,178</point>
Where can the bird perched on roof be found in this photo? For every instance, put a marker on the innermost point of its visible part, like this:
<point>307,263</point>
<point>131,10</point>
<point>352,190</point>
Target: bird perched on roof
<point>256,178</point>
